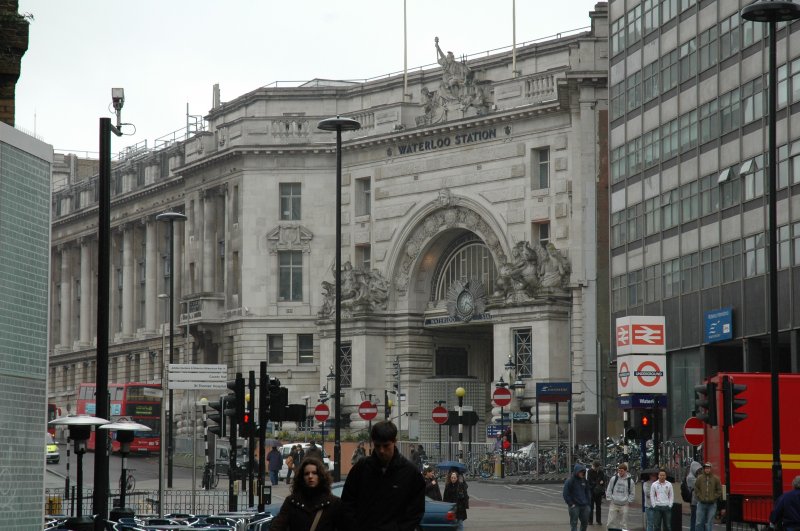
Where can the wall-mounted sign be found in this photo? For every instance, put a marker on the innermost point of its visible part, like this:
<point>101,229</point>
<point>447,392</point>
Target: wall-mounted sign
<point>642,374</point>
<point>641,334</point>
<point>642,401</point>
<point>718,325</point>
<point>553,391</point>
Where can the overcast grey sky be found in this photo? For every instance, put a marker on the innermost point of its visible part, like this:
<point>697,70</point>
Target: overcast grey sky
<point>167,53</point>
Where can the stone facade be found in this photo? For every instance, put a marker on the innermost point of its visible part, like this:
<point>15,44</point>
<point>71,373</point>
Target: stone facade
<point>468,235</point>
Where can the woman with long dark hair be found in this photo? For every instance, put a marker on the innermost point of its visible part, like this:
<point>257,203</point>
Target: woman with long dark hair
<point>455,491</point>
<point>310,506</point>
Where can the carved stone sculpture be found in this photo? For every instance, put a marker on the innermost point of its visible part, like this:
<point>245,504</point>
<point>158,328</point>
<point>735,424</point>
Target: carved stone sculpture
<point>362,291</point>
<point>530,270</point>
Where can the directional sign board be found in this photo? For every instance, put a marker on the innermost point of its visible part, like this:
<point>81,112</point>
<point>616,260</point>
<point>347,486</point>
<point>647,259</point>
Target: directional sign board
<point>322,412</point>
<point>641,334</point>
<point>197,376</point>
<point>367,410</point>
<point>439,415</point>
<point>693,431</point>
<point>501,396</point>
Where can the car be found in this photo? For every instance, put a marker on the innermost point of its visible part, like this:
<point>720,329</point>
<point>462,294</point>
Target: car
<point>53,455</point>
<point>438,515</point>
<point>286,449</point>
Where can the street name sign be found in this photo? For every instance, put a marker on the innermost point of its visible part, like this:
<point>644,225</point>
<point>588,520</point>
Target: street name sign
<point>197,376</point>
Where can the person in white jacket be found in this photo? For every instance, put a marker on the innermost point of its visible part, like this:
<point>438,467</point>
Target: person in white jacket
<point>662,498</point>
<point>620,492</point>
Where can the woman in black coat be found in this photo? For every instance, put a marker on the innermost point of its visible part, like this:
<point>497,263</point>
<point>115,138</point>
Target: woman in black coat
<point>455,491</point>
<point>311,495</point>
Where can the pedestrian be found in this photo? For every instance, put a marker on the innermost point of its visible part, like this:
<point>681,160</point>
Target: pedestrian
<point>415,458</point>
<point>310,506</point>
<point>431,485</point>
<point>787,508</point>
<point>358,454</point>
<point>662,497</point>
<point>455,491</point>
<point>620,492</point>
<point>384,491</point>
<point>648,503</point>
<point>301,454</point>
<point>314,451</point>
<point>291,463</point>
<point>597,481</point>
<point>708,490</point>
<point>691,478</point>
<point>423,455</point>
<point>275,461</point>
<point>577,496</point>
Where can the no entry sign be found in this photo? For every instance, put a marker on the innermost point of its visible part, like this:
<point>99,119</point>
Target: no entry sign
<point>693,431</point>
<point>501,396</point>
<point>367,410</point>
<point>322,412</point>
<point>439,415</point>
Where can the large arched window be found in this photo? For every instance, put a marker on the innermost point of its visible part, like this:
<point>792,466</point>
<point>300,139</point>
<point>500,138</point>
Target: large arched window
<point>467,257</point>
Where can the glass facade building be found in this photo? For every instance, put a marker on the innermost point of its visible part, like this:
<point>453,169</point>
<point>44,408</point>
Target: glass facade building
<point>24,280</point>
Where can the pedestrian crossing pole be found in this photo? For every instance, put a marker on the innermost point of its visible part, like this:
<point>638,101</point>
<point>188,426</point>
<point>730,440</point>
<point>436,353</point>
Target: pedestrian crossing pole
<point>460,392</point>
<point>206,476</point>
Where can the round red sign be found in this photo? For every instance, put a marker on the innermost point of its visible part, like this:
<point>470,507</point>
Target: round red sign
<point>501,396</point>
<point>694,431</point>
<point>439,415</point>
<point>624,374</point>
<point>367,410</point>
<point>322,412</point>
<point>648,373</point>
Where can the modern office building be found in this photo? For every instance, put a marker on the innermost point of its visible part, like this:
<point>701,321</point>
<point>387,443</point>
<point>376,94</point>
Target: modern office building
<point>473,228</point>
<point>24,279</point>
<point>688,144</point>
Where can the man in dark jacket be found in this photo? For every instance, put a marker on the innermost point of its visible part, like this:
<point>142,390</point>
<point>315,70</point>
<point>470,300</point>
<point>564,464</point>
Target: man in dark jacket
<point>787,508</point>
<point>578,496</point>
<point>385,491</point>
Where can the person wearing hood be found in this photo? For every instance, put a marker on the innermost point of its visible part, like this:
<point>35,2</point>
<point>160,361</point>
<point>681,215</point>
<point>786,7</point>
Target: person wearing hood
<point>620,492</point>
<point>694,471</point>
<point>578,496</point>
<point>311,504</point>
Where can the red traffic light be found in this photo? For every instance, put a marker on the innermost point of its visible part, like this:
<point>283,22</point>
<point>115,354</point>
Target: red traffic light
<point>645,420</point>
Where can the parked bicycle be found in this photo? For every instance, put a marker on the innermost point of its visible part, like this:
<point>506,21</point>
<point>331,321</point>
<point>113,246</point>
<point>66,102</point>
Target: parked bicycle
<point>210,477</point>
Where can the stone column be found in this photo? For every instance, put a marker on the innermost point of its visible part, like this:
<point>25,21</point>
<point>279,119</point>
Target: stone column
<point>209,240</point>
<point>197,250</point>
<point>86,292</point>
<point>151,276</point>
<point>128,273</point>
<point>66,298</point>
<point>179,264</point>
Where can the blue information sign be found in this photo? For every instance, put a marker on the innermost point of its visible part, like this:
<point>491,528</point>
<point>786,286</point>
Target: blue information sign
<point>493,430</point>
<point>554,391</point>
<point>718,325</point>
<point>642,401</point>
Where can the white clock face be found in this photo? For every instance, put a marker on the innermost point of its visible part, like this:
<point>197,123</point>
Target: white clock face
<point>465,303</point>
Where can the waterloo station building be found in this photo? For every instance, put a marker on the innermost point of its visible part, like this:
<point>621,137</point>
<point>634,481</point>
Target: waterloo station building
<point>473,232</point>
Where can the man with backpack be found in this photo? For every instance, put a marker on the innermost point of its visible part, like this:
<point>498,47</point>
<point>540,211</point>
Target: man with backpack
<point>620,492</point>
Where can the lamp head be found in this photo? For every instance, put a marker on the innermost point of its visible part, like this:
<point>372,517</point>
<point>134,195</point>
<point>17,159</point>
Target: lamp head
<point>338,124</point>
<point>771,11</point>
<point>461,392</point>
<point>118,98</point>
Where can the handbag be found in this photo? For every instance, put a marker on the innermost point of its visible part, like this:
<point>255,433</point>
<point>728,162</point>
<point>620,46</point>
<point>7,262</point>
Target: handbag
<point>316,520</point>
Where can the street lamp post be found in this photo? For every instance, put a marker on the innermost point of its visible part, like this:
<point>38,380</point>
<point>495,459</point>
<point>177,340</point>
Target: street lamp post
<point>772,12</point>
<point>460,392</point>
<point>338,124</point>
<point>163,421</point>
<point>124,428</point>
<point>323,397</point>
<point>171,218</point>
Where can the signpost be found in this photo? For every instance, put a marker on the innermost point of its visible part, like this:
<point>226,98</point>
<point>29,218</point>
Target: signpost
<point>502,397</point>
<point>368,411</point>
<point>440,416</point>
<point>321,413</point>
<point>693,431</point>
<point>197,376</point>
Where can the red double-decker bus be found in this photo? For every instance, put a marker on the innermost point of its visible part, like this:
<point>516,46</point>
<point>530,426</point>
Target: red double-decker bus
<point>140,402</point>
<point>53,412</point>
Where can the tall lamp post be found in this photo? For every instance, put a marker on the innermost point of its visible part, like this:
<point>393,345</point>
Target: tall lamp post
<point>125,429</point>
<point>772,12</point>
<point>338,124</point>
<point>170,218</point>
<point>162,423</point>
<point>460,392</point>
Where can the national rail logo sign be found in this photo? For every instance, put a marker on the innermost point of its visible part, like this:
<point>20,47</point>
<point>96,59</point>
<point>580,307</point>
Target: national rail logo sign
<point>641,334</point>
<point>642,374</point>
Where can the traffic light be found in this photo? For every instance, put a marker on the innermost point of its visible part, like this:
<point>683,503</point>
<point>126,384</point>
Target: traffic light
<point>217,415</point>
<point>732,401</point>
<point>641,425</point>
<point>705,403</point>
<point>247,425</point>
<point>235,402</point>
<point>278,400</point>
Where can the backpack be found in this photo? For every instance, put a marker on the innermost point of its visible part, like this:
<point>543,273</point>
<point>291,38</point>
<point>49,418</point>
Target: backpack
<point>686,492</point>
<point>616,477</point>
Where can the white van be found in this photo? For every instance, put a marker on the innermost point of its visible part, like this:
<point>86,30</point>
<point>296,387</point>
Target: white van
<point>286,449</point>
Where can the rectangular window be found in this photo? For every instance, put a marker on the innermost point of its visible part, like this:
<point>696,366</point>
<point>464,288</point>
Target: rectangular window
<point>688,60</point>
<point>523,352</point>
<point>618,226</point>
<point>708,48</point>
<point>796,243</point>
<point>652,283</point>
<point>363,197</point>
<point>690,274</point>
<point>619,294</point>
<point>364,257</point>
<point>669,9</point>
<point>754,179</point>
<point>634,215</point>
<point>669,70</point>
<point>709,267</point>
<point>688,130</point>
<point>669,139</point>
<point>794,164</point>
<point>634,91</point>
<point>541,233</point>
<point>635,288</point>
<point>783,85</point>
<point>650,81</point>
<point>752,32</point>
<point>635,155</point>
<point>686,4</point>
<point>754,255</point>
<point>617,36</point>
<point>709,195</point>
<point>305,348</point>
<point>784,247</point>
<point>652,215</point>
<point>731,261</point>
<point>753,100</point>
<point>709,121</point>
<point>541,169</point>
<point>729,36</point>
<point>730,190</point>
<point>290,275</point>
<point>689,201</point>
<point>651,15</point>
<point>651,152</point>
<point>617,100</point>
<point>672,278</point>
<point>634,24</point>
<point>729,114</point>
<point>290,201</point>
<point>275,348</point>
<point>618,164</point>
<point>794,71</point>
<point>783,167</point>
<point>346,365</point>
<point>670,209</point>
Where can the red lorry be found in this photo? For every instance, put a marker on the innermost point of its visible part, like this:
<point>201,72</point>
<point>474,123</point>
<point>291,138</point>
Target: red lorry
<point>750,441</point>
